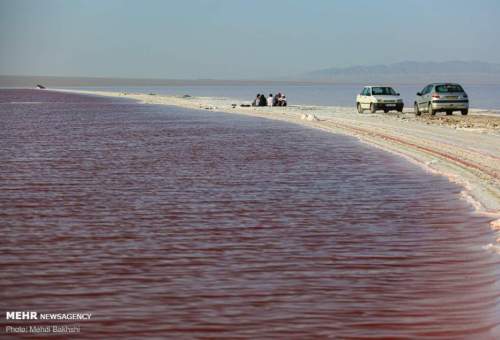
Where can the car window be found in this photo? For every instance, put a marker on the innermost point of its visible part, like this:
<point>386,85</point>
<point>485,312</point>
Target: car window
<point>368,92</point>
<point>363,93</point>
<point>446,88</point>
<point>383,91</point>
<point>427,89</point>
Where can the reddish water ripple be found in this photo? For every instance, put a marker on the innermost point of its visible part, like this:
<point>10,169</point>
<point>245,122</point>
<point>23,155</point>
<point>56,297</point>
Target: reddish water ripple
<point>165,222</point>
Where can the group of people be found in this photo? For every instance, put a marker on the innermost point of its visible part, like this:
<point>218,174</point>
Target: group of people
<point>276,100</point>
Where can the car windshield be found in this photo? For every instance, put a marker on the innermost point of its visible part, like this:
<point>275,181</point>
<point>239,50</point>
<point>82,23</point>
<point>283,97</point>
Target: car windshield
<point>447,88</point>
<point>383,91</point>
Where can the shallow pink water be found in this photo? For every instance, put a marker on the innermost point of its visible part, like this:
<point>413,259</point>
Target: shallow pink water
<point>165,222</point>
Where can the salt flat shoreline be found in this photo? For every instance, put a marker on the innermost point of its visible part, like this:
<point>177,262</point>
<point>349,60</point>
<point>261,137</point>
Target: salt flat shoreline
<point>464,149</point>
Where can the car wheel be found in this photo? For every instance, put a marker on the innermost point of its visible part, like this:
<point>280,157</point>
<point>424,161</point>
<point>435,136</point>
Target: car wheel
<point>360,110</point>
<point>385,110</point>
<point>372,108</point>
<point>400,109</point>
<point>465,112</point>
<point>416,110</point>
<point>449,113</point>
<point>430,110</point>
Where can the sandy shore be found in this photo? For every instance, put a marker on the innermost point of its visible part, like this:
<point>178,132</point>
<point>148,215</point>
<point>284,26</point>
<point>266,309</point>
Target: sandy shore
<point>465,149</point>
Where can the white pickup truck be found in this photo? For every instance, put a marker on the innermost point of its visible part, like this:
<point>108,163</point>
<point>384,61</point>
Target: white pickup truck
<point>375,98</point>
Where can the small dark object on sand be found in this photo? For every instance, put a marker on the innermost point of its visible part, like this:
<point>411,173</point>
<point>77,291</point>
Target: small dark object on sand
<point>186,96</point>
<point>152,94</point>
<point>41,87</point>
<point>245,105</point>
<point>234,105</point>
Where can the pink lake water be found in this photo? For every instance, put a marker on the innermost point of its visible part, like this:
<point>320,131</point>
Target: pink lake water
<point>171,223</point>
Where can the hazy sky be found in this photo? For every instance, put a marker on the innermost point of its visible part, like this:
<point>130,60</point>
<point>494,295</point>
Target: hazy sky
<point>238,38</point>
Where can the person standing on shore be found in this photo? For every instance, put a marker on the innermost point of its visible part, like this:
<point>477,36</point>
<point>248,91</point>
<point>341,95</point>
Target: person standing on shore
<point>270,100</point>
<point>262,100</point>
<point>283,100</point>
<point>256,101</point>
<point>276,99</point>
<point>280,100</point>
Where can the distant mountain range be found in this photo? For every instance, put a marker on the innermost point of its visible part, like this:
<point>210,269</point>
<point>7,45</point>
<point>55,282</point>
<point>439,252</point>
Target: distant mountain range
<point>407,72</point>
<point>411,72</point>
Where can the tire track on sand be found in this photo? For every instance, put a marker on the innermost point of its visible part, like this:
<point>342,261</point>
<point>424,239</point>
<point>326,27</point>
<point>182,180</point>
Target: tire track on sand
<point>493,174</point>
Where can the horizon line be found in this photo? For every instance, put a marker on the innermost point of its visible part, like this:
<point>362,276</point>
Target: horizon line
<point>277,78</point>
